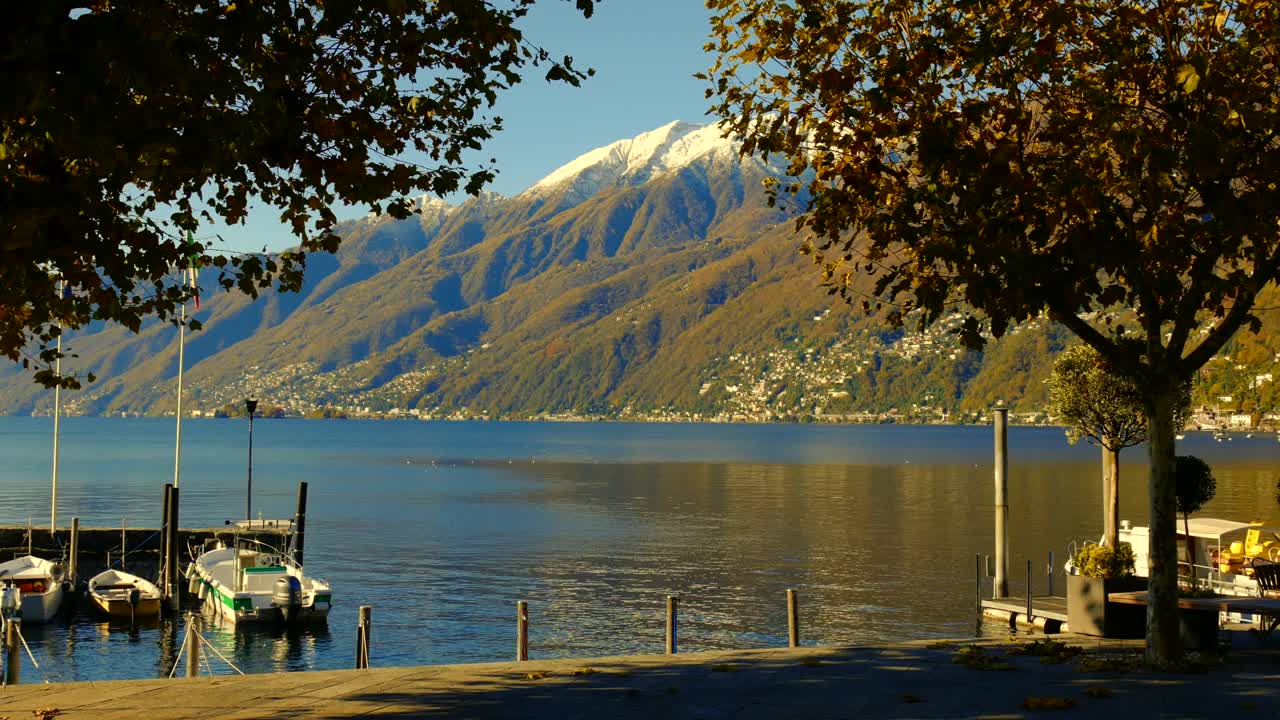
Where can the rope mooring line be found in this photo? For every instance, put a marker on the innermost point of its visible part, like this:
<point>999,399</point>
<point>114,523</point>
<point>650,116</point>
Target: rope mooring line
<point>215,650</point>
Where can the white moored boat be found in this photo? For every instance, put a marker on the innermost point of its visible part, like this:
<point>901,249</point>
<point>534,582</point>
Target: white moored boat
<point>124,596</point>
<point>39,582</point>
<point>258,586</point>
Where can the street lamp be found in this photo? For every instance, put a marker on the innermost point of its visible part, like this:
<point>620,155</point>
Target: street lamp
<point>250,405</point>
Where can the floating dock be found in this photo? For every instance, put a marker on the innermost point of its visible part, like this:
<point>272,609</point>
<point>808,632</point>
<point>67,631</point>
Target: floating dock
<point>1048,612</point>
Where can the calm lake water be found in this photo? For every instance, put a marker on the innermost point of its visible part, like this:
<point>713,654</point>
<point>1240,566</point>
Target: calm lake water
<point>442,527</point>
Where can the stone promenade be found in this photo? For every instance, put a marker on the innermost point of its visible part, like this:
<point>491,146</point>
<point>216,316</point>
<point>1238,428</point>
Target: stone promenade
<point>915,680</point>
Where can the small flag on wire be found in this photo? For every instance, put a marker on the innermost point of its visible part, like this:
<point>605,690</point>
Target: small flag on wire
<point>192,273</point>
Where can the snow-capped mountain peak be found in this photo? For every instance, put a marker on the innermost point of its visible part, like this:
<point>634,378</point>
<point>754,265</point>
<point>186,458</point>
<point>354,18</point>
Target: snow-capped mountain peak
<point>636,160</point>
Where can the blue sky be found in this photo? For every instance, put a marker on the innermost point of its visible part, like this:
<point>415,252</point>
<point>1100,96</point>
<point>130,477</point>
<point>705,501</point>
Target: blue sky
<point>644,53</point>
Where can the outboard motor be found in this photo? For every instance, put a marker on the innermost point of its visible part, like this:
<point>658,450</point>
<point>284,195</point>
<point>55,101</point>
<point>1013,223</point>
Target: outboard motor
<point>287,597</point>
<point>10,601</point>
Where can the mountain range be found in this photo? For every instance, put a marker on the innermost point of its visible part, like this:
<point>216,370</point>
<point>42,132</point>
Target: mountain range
<point>647,278</point>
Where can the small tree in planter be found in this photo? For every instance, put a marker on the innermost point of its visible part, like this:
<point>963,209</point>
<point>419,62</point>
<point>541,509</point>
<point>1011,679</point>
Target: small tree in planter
<point>1194,485</point>
<point>1102,570</point>
<point>1097,403</point>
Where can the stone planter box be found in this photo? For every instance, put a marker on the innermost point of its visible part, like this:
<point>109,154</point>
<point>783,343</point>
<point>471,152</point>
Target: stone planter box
<point>1089,613</point>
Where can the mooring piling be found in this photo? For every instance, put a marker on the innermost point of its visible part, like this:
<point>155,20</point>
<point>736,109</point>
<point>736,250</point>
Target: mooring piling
<point>12,651</point>
<point>73,561</point>
<point>300,523</point>
<point>193,646</point>
<point>364,626</point>
<point>162,578</point>
<point>673,603</point>
<point>1001,589</point>
<point>171,578</point>
<point>522,631</point>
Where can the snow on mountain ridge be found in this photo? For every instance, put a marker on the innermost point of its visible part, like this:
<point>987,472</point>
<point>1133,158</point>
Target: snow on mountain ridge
<point>669,147</point>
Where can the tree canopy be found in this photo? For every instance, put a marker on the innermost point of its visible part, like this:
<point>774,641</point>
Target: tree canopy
<point>124,126</point>
<point>1195,484</point>
<point>1089,160</point>
<point>1093,403</point>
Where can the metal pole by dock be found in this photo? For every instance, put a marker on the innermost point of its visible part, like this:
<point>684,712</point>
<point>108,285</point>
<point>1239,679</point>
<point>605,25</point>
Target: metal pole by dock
<point>193,646</point>
<point>1050,573</point>
<point>522,631</point>
<point>1001,589</point>
<point>13,652</point>
<point>1029,592</point>
<point>793,619</point>
<point>364,631</point>
<point>673,603</point>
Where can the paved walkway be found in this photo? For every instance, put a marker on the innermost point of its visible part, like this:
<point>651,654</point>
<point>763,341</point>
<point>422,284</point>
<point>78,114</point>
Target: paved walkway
<point>916,680</point>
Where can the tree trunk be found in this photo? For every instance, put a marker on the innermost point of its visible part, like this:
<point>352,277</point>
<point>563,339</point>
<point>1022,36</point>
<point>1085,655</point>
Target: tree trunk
<point>1106,494</point>
<point>1164,647</point>
<point>1111,500</point>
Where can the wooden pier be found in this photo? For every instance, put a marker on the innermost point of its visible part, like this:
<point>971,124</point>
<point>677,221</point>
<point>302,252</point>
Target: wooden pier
<point>1048,612</point>
<point>101,547</point>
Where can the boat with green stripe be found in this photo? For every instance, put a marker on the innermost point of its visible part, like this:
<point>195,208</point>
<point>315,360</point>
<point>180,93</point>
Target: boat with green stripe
<point>258,586</point>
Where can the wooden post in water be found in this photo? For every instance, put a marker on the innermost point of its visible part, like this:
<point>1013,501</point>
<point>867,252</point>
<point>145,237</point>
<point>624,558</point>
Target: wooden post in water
<point>171,580</point>
<point>364,629</point>
<point>124,541</point>
<point>300,523</point>
<point>793,619</point>
<point>73,561</point>
<point>672,608</point>
<point>522,631</point>
<point>193,646</point>
<point>1001,588</point>
<point>13,652</point>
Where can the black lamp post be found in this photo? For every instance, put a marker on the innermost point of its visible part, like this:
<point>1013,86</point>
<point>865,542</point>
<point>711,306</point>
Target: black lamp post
<point>250,405</point>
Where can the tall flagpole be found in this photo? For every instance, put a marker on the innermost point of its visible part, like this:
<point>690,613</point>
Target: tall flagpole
<point>57,415</point>
<point>177,444</point>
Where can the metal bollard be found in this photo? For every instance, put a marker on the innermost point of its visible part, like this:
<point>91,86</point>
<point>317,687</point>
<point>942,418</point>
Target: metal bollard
<point>672,607</point>
<point>793,619</point>
<point>522,631</point>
